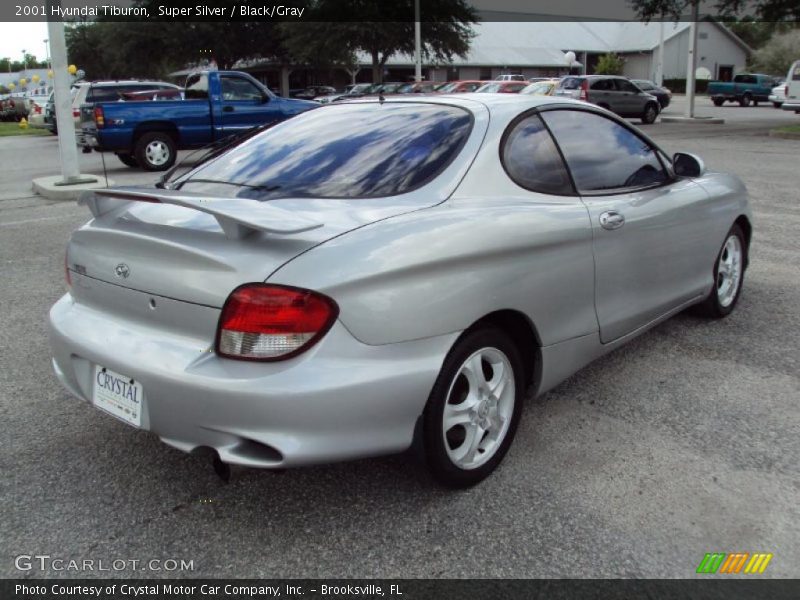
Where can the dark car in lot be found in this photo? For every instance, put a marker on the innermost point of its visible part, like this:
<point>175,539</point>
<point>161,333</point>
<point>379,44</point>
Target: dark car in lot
<point>617,94</point>
<point>663,94</point>
<point>314,91</point>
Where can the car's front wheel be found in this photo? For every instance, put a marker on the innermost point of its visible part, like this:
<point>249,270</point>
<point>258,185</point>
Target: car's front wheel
<point>474,408</point>
<point>155,151</point>
<point>728,276</point>
<point>718,101</point>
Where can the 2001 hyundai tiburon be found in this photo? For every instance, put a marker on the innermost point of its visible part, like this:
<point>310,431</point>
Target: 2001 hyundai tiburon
<point>374,274</point>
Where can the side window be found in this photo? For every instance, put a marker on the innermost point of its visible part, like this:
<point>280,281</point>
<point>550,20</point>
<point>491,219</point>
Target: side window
<point>625,86</point>
<point>532,160</point>
<point>236,88</point>
<point>602,154</point>
<point>196,87</point>
<point>603,85</point>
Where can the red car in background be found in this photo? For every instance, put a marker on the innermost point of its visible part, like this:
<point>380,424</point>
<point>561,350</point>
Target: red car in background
<point>461,87</point>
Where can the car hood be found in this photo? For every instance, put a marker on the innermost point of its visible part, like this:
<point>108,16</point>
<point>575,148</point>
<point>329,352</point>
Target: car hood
<point>199,249</point>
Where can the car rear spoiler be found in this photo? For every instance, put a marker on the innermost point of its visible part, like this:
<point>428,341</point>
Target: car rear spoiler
<point>238,217</point>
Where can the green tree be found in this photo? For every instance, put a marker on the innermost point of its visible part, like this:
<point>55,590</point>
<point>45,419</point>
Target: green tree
<point>778,54</point>
<point>609,64</point>
<point>762,10</point>
<point>338,29</point>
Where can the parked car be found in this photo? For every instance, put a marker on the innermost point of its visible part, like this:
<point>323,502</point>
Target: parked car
<point>404,276</point>
<point>90,93</point>
<point>386,88</point>
<point>460,87</point>
<point>417,87</point>
<point>502,87</point>
<point>746,88</point>
<point>778,94</point>
<point>617,94</point>
<point>792,89</point>
<point>355,90</point>
<point>314,91</point>
<point>13,108</point>
<point>218,104</point>
<point>664,95</point>
<point>546,87</point>
<point>509,77</point>
<point>36,110</point>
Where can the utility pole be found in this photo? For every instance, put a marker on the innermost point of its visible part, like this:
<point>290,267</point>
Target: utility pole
<point>417,43</point>
<point>691,65</point>
<point>660,66</point>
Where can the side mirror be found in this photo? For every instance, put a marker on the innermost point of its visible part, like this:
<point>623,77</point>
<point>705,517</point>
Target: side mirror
<point>688,165</point>
<point>264,98</point>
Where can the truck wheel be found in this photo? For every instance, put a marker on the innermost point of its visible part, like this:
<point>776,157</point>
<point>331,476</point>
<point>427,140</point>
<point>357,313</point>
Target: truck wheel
<point>155,151</point>
<point>129,160</point>
<point>650,113</point>
<point>718,101</point>
<point>776,104</point>
<point>745,100</point>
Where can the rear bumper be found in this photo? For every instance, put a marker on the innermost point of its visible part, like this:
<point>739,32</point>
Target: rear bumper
<point>793,105</point>
<point>340,400</point>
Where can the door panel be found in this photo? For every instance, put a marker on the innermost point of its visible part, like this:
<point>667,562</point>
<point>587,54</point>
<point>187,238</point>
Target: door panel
<point>243,106</point>
<point>653,262</point>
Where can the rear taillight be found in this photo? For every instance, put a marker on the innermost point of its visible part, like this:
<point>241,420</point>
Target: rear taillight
<point>584,93</point>
<point>272,322</point>
<point>37,109</point>
<point>786,90</point>
<point>76,113</point>
<point>99,118</point>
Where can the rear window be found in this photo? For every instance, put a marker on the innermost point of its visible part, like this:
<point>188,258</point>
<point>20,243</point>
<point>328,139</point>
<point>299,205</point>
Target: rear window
<point>571,83</point>
<point>340,151</point>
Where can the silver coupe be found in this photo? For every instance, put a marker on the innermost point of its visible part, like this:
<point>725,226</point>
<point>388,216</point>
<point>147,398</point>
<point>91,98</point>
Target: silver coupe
<point>372,276</point>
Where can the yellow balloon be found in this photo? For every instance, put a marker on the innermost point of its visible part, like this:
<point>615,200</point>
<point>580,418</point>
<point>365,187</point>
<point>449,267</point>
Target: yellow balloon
<point>72,69</point>
<point>50,73</point>
<point>35,79</point>
<point>11,86</point>
<point>23,81</point>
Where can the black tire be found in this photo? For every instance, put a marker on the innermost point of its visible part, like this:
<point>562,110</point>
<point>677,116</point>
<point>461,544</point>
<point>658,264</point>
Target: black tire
<point>129,160</point>
<point>450,384</point>
<point>718,101</point>
<point>755,102</point>
<point>776,104</point>
<point>745,100</point>
<point>148,151</point>
<point>650,113</point>
<point>711,306</point>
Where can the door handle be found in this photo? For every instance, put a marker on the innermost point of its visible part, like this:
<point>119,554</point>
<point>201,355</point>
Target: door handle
<point>611,220</point>
<point>227,109</point>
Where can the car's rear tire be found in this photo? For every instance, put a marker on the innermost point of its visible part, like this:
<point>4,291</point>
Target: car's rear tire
<point>728,276</point>
<point>129,160</point>
<point>155,151</point>
<point>776,104</point>
<point>474,408</point>
<point>718,101</point>
<point>650,113</point>
<point>745,100</point>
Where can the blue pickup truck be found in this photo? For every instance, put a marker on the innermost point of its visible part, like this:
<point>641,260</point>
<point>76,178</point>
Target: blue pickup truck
<point>744,89</point>
<point>216,104</point>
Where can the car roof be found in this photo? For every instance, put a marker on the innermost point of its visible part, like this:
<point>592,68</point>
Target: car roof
<point>470,100</point>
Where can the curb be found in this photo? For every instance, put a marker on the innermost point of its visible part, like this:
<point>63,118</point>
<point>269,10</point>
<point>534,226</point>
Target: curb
<point>786,135</point>
<point>46,186</point>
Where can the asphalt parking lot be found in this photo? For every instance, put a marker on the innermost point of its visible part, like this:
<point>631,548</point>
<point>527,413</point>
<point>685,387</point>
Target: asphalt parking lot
<point>685,441</point>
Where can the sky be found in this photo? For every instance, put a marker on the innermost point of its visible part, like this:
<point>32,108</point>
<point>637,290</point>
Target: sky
<point>16,37</point>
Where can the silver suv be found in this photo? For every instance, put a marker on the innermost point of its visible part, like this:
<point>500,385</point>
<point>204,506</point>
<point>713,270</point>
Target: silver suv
<point>617,94</point>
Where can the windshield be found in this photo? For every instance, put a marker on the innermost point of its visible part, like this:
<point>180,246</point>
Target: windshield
<point>489,87</point>
<point>339,151</point>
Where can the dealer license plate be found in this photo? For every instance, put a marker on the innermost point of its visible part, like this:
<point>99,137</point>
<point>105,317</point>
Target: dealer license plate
<point>118,394</point>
